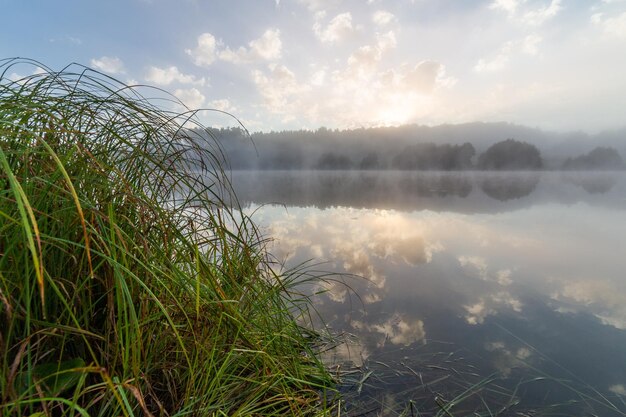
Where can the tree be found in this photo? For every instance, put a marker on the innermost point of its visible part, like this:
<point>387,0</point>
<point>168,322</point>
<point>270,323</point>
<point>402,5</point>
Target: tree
<point>429,156</point>
<point>331,161</point>
<point>510,154</point>
<point>370,161</point>
<point>598,158</point>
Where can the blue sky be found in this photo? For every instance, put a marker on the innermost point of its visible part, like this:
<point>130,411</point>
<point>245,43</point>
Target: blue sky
<point>289,64</point>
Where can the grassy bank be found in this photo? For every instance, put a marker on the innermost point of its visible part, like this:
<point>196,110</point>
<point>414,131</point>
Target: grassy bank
<point>127,286</point>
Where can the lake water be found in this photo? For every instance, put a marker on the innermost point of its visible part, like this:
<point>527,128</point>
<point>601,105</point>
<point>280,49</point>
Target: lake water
<point>483,293</point>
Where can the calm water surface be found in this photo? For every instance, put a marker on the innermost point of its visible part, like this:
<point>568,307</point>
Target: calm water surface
<point>488,294</point>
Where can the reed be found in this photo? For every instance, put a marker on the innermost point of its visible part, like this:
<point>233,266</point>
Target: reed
<point>130,281</point>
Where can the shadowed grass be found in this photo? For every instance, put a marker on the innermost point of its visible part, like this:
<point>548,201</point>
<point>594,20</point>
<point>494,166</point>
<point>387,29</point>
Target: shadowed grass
<point>127,285</point>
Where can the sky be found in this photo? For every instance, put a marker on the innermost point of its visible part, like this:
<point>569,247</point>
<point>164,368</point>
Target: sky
<point>559,65</point>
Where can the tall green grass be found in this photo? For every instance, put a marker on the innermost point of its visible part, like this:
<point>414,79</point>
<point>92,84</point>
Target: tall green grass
<point>128,285</point>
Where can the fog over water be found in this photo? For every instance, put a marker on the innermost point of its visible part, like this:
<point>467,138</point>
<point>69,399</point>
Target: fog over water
<point>468,278</point>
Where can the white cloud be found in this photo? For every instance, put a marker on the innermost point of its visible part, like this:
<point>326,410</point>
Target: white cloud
<point>508,6</point>
<point>204,54</point>
<point>474,265</point>
<point>223,105</point>
<point>66,39</point>
<point>539,16</point>
<point>315,5</point>
<point>268,47</point>
<point>400,331</point>
<point>15,77</point>
<point>386,41</point>
<point>166,76</point>
<point>478,312</point>
<point>611,26</point>
<point>191,98</point>
<point>339,28</point>
<point>531,17</point>
<point>382,17</point>
<point>424,77</point>
<point>363,62</point>
<point>496,63</point>
<point>503,277</point>
<point>319,77</point>
<point>277,87</point>
<point>367,90</point>
<point>112,65</point>
<point>600,297</point>
<point>528,45</point>
<point>477,266</point>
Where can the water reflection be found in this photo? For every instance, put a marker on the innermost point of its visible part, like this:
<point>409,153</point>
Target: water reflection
<point>450,299</point>
<point>511,186</point>
<point>599,183</point>
<point>407,191</point>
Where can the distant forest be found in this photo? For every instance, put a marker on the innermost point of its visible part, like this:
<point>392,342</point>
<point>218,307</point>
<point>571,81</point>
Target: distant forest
<point>482,146</point>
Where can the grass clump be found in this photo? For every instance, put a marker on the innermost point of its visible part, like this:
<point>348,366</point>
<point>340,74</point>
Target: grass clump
<point>127,285</point>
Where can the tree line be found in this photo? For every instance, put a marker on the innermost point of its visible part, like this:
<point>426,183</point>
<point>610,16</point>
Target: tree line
<point>324,149</point>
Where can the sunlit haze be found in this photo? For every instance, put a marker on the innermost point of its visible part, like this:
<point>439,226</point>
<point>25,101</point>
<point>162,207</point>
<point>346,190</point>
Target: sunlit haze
<point>291,64</point>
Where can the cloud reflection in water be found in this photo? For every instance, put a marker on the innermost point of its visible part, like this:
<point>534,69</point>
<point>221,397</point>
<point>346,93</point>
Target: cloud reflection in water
<point>497,282</point>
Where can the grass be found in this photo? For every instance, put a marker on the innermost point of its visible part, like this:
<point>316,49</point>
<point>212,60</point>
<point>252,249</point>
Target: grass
<point>127,285</point>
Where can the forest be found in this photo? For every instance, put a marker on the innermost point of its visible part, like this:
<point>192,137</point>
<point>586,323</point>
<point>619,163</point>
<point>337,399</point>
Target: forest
<point>475,146</point>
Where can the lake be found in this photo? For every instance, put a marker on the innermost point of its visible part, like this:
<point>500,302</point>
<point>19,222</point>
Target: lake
<point>479,293</point>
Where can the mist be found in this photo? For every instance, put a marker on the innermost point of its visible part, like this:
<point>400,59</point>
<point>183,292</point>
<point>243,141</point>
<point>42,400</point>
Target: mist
<point>415,147</point>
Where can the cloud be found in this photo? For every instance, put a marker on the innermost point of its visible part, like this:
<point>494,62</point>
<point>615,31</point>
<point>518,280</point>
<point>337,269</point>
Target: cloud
<point>112,65</point>
<point>505,359</point>
<point>191,98</point>
<point>611,26</point>
<point>316,5</point>
<point>223,105</point>
<point>476,313</point>
<point>530,17</point>
<point>498,62</point>
<point>503,277</point>
<point>363,62</point>
<point>508,6</point>
<point>599,297</point>
<point>366,90</point>
<point>488,306</point>
<point>21,79</point>
<point>348,351</point>
<point>401,331</point>
<point>278,86</point>
<point>382,18</point>
<point>66,39</point>
<point>166,76</point>
<point>476,266</point>
<point>338,29</point>
<point>266,48</point>
<point>382,238</point>
<point>423,77</point>
<point>539,16</point>
<point>364,59</point>
<point>529,44</point>
<point>204,54</point>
